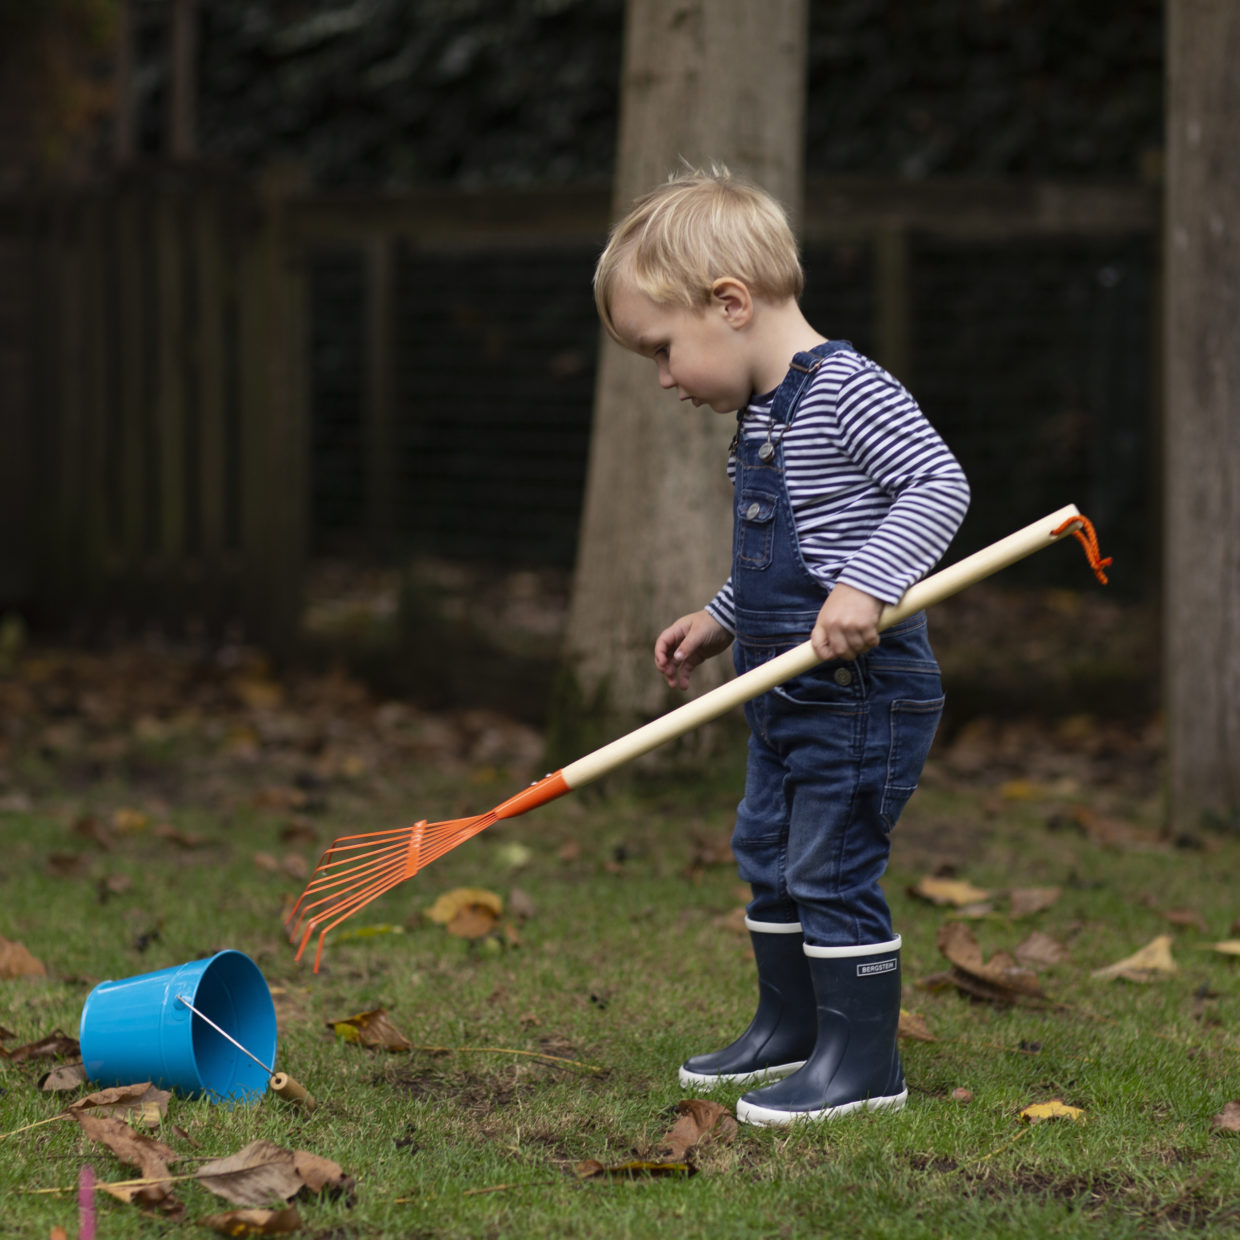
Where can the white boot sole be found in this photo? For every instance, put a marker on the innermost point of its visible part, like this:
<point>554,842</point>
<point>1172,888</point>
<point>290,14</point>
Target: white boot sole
<point>768,1117</point>
<point>700,1080</point>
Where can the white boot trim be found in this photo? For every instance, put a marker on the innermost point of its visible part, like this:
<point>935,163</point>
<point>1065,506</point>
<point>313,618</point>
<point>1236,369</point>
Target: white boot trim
<point>871,949</point>
<point>772,927</point>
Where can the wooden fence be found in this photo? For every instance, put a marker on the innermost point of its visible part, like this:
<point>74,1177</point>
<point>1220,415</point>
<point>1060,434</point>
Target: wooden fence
<point>155,386</point>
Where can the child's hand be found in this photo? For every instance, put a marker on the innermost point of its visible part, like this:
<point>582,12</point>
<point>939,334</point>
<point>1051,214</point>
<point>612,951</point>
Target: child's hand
<point>689,641</point>
<point>847,625</point>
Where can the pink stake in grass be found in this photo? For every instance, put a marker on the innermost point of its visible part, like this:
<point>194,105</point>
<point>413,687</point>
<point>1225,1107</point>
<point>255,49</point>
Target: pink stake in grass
<point>86,1203</point>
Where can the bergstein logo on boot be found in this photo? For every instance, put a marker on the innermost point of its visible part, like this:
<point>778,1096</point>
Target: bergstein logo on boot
<point>878,966</point>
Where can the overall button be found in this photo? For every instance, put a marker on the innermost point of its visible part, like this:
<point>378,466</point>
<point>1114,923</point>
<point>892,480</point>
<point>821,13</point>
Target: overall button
<point>843,676</point>
<point>752,511</point>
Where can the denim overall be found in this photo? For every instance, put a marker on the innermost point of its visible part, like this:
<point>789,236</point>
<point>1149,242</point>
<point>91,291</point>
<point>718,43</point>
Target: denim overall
<point>835,753</point>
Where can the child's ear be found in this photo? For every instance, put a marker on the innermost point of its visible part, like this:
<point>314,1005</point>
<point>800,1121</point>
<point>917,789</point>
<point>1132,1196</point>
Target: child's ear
<point>732,298</point>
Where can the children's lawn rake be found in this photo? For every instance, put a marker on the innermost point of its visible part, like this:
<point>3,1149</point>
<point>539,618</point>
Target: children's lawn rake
<point>357,869</point>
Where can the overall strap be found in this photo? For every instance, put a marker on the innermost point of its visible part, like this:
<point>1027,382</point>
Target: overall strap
<point>802,369</point>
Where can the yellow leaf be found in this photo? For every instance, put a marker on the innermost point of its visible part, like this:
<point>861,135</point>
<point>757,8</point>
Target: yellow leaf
<point>1229,947</point>
<point>1018,790</point>
<point>452,903</point>
<point>371,1029</point>
<point>956,891</point>
<point>1055,1109</point>
<point>1152,962</point>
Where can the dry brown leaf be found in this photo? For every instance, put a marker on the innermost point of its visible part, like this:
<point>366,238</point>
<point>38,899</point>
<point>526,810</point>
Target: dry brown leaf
<point>1055,1109</point>
<point>67,1076</point>
<point>698,1122</point>
<point>150,1157</point>
<point>56,1045</point>
<point>258,1175</point>
<point>1025,901</point>
<point>1040,951</point>
<point>255,1222</point>
<point>962,1095</point>
<point>956,892</point>
<point>143,1102</point>
<point>372,1029</point>
<point>592,1169</point>
<point>472,922</point>
<point>1151,964</point>
<point>16,961</point>
<point>1187,918</point>
<point>913,1028</point>
<point>1000,979</point>
<point>323,1176</point>
<point>1228,1119</point>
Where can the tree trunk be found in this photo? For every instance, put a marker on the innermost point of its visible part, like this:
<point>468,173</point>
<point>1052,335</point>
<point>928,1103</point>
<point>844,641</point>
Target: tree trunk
<point>1202,403</point>
<point>703,82</point>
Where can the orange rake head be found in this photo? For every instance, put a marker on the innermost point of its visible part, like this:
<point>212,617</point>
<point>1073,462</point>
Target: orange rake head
<point>357,869</point>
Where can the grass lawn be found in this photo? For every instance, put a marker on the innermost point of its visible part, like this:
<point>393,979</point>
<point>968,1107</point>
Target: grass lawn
<point>172,814</point>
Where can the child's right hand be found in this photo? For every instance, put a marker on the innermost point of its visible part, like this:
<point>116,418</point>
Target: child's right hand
<point>684,644</point>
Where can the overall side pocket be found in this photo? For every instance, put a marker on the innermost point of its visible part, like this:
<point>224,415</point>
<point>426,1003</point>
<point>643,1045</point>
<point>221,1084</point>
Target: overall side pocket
<point>913,725</point>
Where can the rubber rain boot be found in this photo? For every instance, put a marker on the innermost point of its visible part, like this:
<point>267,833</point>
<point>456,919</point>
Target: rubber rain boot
<point>855,1064</point>
<point>782,1033</point>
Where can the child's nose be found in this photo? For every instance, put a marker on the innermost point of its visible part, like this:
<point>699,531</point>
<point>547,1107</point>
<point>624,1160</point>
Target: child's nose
<point>665,376</point>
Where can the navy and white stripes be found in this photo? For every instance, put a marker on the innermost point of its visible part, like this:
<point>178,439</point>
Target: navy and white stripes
<point>876,494</point>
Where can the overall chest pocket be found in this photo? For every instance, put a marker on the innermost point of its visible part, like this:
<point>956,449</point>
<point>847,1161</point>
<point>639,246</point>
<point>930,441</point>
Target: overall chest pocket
<point>755,529</point>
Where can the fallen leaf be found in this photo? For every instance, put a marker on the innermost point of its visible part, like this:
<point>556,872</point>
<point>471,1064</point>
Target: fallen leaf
<point>698,1121</point>
<point>592,1169</point>
<point>126,821</point>
<point>255,1222</point>
<point>1000,979</point>
<point>472,922</point>
<point>514,855</point>
<point>1040,951</point>
<point>451,904</point>
<point>913,1028</point>
<point>1229,947</point>
<point>258,1175</point>
<point>149,1156</point>
<point>1152,963</point>
<point>962,1095</point>
<point>66,1077</point>
<point>1055,1109</point>
<point>322,1176</point>
<point>56,1045</point>
<point>16,961</point>
<point>180,839</point>
<point>521,906</point>
<point>948,891</point>
<point>1188,918</point>
<point>142,1101</point>
<point>1025,901</point>
<point>372,1029</point>
<point>1228,1119</point>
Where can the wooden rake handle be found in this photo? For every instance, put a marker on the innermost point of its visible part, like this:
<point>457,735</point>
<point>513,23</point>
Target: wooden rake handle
<point>933,589</point>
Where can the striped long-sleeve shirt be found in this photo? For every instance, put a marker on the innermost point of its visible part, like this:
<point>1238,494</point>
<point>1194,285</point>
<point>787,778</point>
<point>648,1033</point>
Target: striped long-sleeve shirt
<point>876,494</point>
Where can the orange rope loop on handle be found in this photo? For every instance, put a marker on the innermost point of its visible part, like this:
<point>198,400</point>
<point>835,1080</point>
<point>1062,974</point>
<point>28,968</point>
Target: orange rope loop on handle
<point>1084,534</point>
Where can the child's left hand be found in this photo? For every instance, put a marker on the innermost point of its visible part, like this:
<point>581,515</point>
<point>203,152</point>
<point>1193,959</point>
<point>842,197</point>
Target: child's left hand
<point>847,625</point>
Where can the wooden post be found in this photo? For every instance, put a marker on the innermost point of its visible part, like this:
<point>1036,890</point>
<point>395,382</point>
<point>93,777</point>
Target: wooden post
<point>274,438</point>
<point>170,399</point>
<point>182,57</point>
<point>211,465</point>
<point>380,446</point>
<point>1201,443</point>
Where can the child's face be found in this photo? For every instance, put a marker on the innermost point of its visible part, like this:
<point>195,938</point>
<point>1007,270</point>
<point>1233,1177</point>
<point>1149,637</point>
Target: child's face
<point>697,352</point>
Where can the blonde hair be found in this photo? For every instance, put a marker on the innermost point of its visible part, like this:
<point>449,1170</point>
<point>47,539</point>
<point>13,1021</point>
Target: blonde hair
<point>677,240</point>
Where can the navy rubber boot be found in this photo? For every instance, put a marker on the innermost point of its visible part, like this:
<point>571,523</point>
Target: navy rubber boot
<point>783,1031</point>
<point>855,1064</point>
